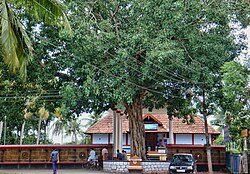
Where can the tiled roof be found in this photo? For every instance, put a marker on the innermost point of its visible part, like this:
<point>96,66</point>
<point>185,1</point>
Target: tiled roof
<point>182,128</point>
<point>105,125</point>
<point>153,117</point>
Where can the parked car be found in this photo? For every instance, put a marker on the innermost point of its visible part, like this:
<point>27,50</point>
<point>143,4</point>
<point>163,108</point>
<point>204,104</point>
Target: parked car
<point>182,163</point>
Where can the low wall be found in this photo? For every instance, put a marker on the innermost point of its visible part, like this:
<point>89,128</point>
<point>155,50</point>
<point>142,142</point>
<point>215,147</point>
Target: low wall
<point>38,156</point>
<point>218,154</point>
<point>148,166</point>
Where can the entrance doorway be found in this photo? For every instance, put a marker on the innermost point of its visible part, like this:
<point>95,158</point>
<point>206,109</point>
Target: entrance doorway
<point>151,141</point>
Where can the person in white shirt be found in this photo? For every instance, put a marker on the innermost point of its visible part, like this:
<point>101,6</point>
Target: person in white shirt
<point>92,155</point>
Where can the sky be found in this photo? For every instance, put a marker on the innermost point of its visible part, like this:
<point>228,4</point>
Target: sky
<point>247,31</point>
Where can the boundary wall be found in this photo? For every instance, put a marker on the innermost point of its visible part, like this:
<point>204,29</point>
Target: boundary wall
<point>38,156</point>
<point>148,166</point>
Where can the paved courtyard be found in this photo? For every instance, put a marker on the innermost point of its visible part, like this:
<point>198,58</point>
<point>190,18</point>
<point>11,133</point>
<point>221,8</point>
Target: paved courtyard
<point>63,171</point>
<point>49,171</point>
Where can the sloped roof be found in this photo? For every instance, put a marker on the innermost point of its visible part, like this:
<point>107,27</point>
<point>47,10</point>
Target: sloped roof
<point>153,117</point>
<point>183,128</point>
<point>105,125</point>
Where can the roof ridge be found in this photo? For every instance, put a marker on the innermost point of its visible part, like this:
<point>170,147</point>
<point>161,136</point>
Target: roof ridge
<point>153,117</point>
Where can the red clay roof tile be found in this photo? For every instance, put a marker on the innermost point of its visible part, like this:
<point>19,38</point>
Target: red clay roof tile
<point>105,125</point>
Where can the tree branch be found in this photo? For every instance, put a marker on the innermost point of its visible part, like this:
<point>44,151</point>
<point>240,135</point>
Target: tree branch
<point>113,18</point>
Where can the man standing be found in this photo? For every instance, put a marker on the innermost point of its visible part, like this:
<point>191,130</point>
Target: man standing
<point>55,159</point>
<point>104,154</point>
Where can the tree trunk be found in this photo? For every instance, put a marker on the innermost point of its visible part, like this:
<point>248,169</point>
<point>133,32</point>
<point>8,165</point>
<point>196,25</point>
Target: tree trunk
<point>21,133</point>
<point>45,132</point>
<point>62,136</point>
<point>208,147</point>
<point>136,128</point>
<point>39,130</point>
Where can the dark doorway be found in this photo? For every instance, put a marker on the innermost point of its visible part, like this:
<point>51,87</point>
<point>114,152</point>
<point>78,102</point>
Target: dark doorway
<point>151,141</point>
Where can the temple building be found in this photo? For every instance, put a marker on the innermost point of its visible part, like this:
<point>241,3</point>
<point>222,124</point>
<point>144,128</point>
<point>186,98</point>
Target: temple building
<point>160,131</point>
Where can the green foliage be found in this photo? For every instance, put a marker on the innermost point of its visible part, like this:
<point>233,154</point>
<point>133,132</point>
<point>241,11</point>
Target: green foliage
<point>15,42</point>
<point>122,49</point>
<point>16,97</point>
<point>236,97</point>
<point>159,51</point>
<point>233,105</point>
<point>219,140</point>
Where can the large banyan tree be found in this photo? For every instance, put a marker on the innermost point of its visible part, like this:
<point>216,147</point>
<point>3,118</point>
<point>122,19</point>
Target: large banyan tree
<point>148,54</point>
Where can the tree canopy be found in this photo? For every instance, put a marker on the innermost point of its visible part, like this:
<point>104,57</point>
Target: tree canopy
<point>144,54</point>
<point>139,54</point>
<point>233,106</point>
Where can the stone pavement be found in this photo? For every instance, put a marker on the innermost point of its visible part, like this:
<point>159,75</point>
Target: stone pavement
<point>65,171</point>
<point>49,171</point>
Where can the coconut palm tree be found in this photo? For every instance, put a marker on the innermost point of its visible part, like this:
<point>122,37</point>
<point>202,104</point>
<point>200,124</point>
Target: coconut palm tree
<point>43,115</point>
<point>93,118</point>
<point>27,114</point>
<point>74,128</point>
<point>17,49</point>
<point>59,125</point>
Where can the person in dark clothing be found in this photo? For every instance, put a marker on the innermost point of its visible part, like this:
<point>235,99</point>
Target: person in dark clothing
<point>55,159</point>
<point>119,155</point>
<point>124,155</point>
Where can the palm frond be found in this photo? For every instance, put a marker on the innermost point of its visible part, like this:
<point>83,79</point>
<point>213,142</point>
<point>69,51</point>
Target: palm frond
<point>28,48</point>
<point>8,39</point>
<point>51,12</point>
<point>16,45</point>
<point>15,41</point>
<point>58,127</point>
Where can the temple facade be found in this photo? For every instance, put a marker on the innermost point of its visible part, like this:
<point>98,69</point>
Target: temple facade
<point>113,128</point>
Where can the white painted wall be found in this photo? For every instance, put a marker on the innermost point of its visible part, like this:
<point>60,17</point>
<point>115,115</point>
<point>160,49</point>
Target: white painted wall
<point>128,139</point>
<point>180,139</point>
<point>111,138</point>
<point>201,139</point>
<point>100,139</point>
<point>124,139</point>
<point>183,138</point>
<point>103,139</point>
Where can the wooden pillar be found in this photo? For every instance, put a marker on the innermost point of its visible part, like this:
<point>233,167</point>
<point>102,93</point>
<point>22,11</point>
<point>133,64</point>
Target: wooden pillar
<point>162,139</point>
<point>192,139</point>
<point>175,139</point>
<point>108,138</point>
<point>127,139</point>
<point>91,138</point>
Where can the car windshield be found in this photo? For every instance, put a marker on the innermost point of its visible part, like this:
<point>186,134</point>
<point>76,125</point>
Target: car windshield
<point>182,158</point>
